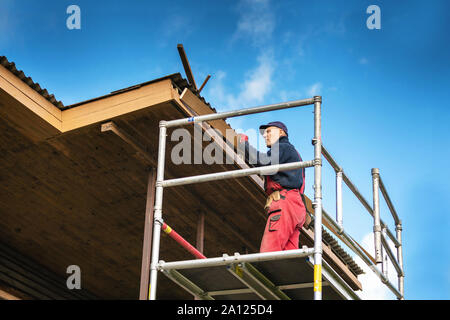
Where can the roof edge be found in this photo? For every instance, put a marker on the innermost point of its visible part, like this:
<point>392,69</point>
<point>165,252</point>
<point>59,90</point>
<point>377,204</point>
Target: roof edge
<point>11,66</point>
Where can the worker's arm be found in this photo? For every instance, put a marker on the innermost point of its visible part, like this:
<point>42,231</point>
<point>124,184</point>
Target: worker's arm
<point>256,158</point>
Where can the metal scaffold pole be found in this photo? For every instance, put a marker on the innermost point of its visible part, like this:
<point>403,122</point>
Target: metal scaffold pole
<point>401,276</point>
<point>317,141</point>
<point>339,218</point>
<point>376,216</point>
<point>157,220</point>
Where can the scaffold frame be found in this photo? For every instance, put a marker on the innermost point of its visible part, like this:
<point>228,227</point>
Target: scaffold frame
<point>319,215</point>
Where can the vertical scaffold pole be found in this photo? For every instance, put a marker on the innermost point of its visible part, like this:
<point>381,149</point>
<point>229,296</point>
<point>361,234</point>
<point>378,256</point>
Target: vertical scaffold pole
<point>339,217</point>
<point>401,277</point>
<point>384,265</point>
<point>317,141</point>
<point>157,219</point>
<point>376,215</point>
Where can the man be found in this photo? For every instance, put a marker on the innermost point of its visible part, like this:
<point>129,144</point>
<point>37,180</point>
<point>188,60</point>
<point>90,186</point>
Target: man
<point>284,207</point>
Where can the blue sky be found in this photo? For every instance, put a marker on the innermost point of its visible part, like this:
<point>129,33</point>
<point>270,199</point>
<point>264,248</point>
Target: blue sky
<point>385,92</point>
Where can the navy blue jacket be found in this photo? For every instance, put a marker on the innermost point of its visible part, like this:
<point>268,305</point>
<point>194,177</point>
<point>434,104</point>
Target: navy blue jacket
<point>291,179</point>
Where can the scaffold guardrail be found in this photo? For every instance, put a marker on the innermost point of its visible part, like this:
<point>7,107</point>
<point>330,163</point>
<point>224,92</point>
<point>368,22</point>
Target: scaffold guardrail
<point>380,228</point>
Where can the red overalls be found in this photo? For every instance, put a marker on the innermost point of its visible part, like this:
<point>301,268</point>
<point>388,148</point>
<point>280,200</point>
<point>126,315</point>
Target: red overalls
<point>285,218</point>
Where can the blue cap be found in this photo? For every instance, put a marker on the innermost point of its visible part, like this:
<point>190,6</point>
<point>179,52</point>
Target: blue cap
<point>277,124</point>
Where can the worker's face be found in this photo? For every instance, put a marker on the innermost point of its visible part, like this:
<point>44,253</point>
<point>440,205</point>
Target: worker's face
<point>272,134</point>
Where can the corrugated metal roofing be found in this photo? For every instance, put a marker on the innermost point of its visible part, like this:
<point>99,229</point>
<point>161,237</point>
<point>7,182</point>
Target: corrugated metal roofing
<point>334,245</point>
<point>11,66</point>
<point>344,256</point>
<point>178,81</point>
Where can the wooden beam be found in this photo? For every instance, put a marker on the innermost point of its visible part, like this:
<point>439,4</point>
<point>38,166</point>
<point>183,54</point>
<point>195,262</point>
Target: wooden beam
<point>7,296</point>
<point>187,67</point>
<point>199,244</point>
<point>148,235</point>
<point>200,231</point>
<point>143,153</point>
<point>204,83</point>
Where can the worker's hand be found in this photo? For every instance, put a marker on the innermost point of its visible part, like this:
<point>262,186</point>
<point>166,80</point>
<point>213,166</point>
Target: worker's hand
<point>242,138</point>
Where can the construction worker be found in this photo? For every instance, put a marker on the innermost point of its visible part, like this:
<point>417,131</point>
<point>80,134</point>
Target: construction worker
<point>285,209</point>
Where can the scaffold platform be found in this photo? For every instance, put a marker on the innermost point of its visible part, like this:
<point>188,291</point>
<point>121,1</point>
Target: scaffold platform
<point>289,277</point>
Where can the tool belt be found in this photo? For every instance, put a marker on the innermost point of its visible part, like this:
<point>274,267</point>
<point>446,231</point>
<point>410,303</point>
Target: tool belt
<point>274,196</point>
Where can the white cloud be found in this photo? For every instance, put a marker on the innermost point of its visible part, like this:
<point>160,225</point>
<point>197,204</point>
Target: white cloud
<point>255,24</point>
<point>314,89</point>
<point>287,95</point>
<point>363,61</point>
<point>7,24</point>
<point>259,81</point>
<point>373,288</point>
<point>256,21</point>
<point>254,89</point>
<point>178,25</point>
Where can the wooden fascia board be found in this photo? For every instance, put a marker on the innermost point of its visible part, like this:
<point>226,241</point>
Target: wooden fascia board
<point>34,106</point>
<point>117,105</point>
<point>29,98</point>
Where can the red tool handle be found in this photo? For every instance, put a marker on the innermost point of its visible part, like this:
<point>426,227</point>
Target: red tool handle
<point>175,236</point>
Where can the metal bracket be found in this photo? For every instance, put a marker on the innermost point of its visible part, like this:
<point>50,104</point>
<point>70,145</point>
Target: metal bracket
<point>159,220</point>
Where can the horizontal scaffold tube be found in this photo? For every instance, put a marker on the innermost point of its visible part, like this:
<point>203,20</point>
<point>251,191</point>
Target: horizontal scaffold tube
<point>226,260</point>
<point>354,246</point>
<point>237,173</point>
<point>358,194</point>
<point>240,112</point>
<point>389,202</point>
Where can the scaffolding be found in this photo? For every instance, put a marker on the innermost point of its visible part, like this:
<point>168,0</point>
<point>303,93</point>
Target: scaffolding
<point>239,265</point>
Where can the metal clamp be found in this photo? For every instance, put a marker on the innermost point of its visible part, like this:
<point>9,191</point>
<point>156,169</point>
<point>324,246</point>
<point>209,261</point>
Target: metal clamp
<point>159,220</point>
